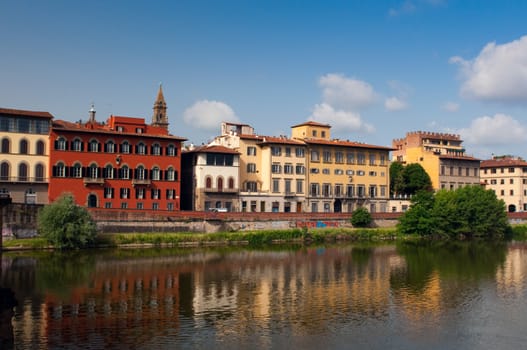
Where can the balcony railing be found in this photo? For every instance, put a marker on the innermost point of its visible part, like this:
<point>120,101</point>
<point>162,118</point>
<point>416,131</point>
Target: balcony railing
<point>141,182</point>
<point>24,179</point>
<point>93,181</point>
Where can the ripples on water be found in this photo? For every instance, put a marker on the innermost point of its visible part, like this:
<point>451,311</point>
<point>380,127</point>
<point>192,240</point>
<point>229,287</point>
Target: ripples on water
<point>404,297</point>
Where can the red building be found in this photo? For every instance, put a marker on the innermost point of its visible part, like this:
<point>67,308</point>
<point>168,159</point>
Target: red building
<point>122,163</point>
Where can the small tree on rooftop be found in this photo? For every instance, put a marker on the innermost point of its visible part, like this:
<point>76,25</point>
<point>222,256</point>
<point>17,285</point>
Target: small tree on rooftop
<point>66,225</point>
<point>361,217</point>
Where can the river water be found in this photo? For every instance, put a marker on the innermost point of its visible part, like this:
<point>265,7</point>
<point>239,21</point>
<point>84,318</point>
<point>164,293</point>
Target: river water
<point>403,296</point>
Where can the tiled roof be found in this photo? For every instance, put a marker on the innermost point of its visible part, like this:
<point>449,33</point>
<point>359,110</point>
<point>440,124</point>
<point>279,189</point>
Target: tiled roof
<point>281,140</point>
<point>312,123</point>
<point>449,156</point>
<point>24,113</point>
<point>212,149</point>
<point>346,143</point>
<point>503,162</point>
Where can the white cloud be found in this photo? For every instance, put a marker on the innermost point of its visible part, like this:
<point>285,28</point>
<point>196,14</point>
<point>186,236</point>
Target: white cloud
<point>339,119</point>
<point>208,115</point>
<point>345,93</point>
<point>498,73</point>
<point>394,104</point>
<point>450,107</point>
<point>497,130</point>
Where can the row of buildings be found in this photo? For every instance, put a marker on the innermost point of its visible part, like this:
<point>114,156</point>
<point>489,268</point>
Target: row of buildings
<point>126,163</point>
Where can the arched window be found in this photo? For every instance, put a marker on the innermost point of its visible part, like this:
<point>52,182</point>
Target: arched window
<point>22,172</point>
<point>59,170</point>
<point>77,170</point>
<point>4,171</point>
<point>141,148</point>
<point>39,172</point>
<point>23,147</point>
<point>125,172</point>
<point>93,171</point>
<point>77,145</point>
<point>220,184</point>
<point>171,150</point>
<point>170,174</point>
<point>125,147</point>
<point>5,145</point>
<point>156,149</point>
<point>231,183</point>
<point>156,173</point>
<point>108,172</point>
<point>208,182</point>
<point>41,148</point>
<point>61,144</point>
<point>93,146</point>
<point>140,173</point>
<point>109,147</point>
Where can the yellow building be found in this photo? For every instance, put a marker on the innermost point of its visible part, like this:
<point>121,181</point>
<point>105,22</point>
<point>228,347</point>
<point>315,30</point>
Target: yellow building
<point>343,175</point>
<point>25,152</point>
<point>441,155</point>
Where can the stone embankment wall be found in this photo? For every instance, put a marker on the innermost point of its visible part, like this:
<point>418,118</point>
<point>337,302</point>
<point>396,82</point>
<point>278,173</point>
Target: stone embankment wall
<point>20,220</point>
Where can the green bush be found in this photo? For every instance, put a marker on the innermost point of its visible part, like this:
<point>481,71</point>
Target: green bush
<point>66,225</point>
<point>361,217</point>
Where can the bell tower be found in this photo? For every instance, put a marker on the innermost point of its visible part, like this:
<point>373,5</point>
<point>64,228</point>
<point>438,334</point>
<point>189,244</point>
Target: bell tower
<point>159,118</point>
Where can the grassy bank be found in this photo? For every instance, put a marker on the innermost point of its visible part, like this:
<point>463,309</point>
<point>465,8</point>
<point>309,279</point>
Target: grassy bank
<point>252,238</point>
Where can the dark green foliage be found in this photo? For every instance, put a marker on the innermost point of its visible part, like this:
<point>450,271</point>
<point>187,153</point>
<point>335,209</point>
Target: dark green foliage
<point>361,217</point>
<point>66,225</point>
<point>408,180</point>
<point>470,211</point>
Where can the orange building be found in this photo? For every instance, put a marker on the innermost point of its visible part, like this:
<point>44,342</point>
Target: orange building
<point>122,163</point>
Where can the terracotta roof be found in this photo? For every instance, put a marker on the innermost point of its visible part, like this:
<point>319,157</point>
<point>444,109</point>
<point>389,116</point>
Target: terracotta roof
<point>97,128</point>
<point>281,140</point>
<point>251,137</point>
<point>312,123</point>
<point>449,156</point>
<point>503,162</point>
<point>346,144</point>
<point>212,149</point>
<point>24,113</point>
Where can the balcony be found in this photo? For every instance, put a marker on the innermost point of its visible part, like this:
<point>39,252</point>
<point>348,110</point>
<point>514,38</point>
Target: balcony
<point>222,190</point>
<point>93,181</point>
<point>141,182</point>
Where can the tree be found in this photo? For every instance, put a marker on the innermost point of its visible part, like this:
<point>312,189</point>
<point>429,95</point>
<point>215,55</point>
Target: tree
<point>468,211</point>
<point>66,225</point>
<point>415,178</point>
<point>396,178</point>
<point>361,217</point>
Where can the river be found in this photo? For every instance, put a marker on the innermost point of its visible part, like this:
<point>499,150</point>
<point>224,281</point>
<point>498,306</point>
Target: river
<point>446,295</point>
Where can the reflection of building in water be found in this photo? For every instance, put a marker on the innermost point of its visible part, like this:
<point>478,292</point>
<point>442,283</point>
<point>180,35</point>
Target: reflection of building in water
<point>511,276</point>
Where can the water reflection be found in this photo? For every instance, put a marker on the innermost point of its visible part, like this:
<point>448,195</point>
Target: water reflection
<point>404,296</point>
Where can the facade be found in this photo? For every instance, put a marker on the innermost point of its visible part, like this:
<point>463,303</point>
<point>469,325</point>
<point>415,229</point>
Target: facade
<point>24,147</point>
<point>122,163</point>
<point>507,177</point>
<point>210,178</point>
<point>307,172</point>
<point>441,155</point>
<point>343,175</point>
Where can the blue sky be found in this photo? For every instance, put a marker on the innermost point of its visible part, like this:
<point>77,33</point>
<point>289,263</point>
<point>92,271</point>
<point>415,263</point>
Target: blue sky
<point>374,70</point>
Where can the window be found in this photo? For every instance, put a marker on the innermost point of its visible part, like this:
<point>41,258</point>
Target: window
<point>314,156</point>
<point>372,173</point>
<point>219,184</point>
<point>511,181</point>
<point>208,182</point>
<point>360,172</point>
<point>361,191</point>
<point>139,193</point>
<point>288,151</point>
<point>155,206</point>
<point>300,152</point>
<point>231,183</point>
<point>108,172</point>
<point>314,190</point>
<point>299,186</point>
<point>314,133</point>
<point>251,167</point>
<point>251,151</point>
<point>327,156</point>
<point>140,173</point>
<point>288,169</point>
<point>125,147</point>
<point>60,144</point>
<point>108,192</point>
<point>383,159</point>
<point>372,158</point>
<point>155,193</point>
<point>139,205</point>
<point>361,158</point>
<point>276,185</point>
<point>373,191</point>
<point>170,206</point>
<point>39,172</point>
<point>287,186</point>
<point>300,169</point>
<point>326,190</point>
<point>323,134</point>
<point>276,168</point>
<point>276,151</point>
<point>4,171</point>
<point>40,148</point>
<point>76,170</point>
<point>109,147</point>
<point>156,149</point>
<point>93,171</point>
<point>141,148</point>
<point>60,170</point>
<point>350,158</point>
<point>22,172</point>
<point>339,172</point>
<point>93,146</point>
<point>314,170</point>
<point>339,157</point>
<point>125,172</point>
<point>171,151</point>
<point>124,193</point>
<point>156,173</point>
<point>251,186</point>
<point>350,172</point>
<point>108,205</point>
<point>338,190</point>
<point>170,174</point>
<point>76,145</point>
<point>171,194</point>
<point>23,149</point>
<point>124,205</point>
<point>325,171</point>
<point>350,191</point>
<point>511,170</point>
